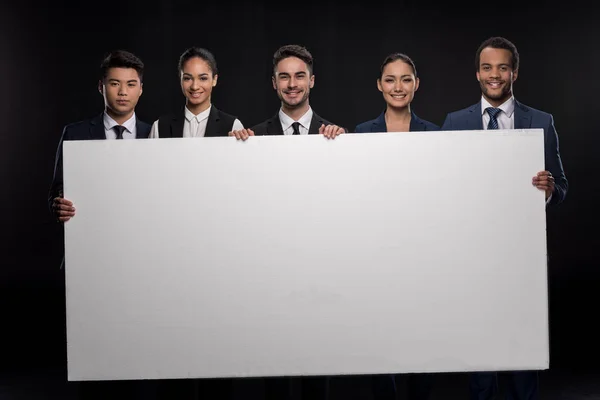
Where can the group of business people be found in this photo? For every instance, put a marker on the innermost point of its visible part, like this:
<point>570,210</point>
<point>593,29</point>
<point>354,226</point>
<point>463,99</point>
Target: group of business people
<point>497,67</point>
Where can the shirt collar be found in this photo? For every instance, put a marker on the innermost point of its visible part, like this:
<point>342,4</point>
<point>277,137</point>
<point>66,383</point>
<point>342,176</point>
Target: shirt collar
<point>200,117</point>
<point>287,121</point>
<point>508,106</point>
<point>110,123</point>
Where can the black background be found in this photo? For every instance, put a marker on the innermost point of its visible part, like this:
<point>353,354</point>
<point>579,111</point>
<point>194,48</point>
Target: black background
<point>50,54</point>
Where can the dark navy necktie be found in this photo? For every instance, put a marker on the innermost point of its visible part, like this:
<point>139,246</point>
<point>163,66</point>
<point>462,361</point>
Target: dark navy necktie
<point>493,112</point>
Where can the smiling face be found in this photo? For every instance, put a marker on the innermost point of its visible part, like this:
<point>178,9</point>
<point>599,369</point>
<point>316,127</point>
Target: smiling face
<point>197,81</point>
<point>496,75</point>
<point>292,81</point>
<point>398,84</point>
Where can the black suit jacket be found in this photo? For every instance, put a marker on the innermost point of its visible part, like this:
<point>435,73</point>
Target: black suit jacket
<point>525,118</point>
<point>272,126</point>
<point>219,124</point>
<point>88,129</point>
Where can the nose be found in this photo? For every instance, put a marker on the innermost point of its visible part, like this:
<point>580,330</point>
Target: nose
<point>122,90</point>
<point>292,82</point>
<point>195,84</point>
<point>397,87</point>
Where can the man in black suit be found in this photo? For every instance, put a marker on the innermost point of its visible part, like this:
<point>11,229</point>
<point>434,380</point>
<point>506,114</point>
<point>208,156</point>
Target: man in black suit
<point>292,80</point>
<point>120,83</point>
<point>121,86</point>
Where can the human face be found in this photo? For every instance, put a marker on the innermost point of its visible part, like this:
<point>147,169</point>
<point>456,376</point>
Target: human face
<point>197,81</point>
<point>398,84</point>
<point>121,90</point>
<point>496,75</point>
<point>293,81</point>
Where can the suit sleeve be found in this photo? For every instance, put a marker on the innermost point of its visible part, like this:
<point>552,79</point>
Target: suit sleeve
<point>56,188</point>
<point>554,164</point>
<point>447,125</point>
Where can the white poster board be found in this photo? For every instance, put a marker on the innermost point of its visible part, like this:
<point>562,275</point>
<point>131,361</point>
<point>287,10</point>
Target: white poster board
<point>370,253</point>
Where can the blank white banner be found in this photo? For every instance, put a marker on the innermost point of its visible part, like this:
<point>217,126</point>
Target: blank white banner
<point>370,253</point>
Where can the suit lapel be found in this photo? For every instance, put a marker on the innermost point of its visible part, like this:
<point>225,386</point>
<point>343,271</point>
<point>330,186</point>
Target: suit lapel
<point>274,126</point>
<point>522,117</point>
<point>379,124</point>
<point>416,125</point>
<point>212,125</point>
<point>97,128</point>
<point>315,124</point>
<point>475,120</point>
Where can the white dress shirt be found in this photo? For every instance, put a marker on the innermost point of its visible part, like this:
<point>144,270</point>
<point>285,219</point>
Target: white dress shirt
<point>128,133</point>
<point>287,121</point>
<point>505,118</point>
<point>194,125</point>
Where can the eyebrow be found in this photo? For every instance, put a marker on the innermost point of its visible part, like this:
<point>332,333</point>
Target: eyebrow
<point>202,74</point>
<point>401,76</point>
<point>116,80</point>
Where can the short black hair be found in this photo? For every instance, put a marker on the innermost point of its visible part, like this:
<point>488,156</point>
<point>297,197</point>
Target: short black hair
<point>200,53</point>
<point>498,42</point>
<point>293,50</point>
<point>121,59</point>
<point>398,56</point>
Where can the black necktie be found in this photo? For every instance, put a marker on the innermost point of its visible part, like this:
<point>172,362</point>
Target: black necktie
<point>296,126</point>
<point>119,129</point>
<point>493,124</point>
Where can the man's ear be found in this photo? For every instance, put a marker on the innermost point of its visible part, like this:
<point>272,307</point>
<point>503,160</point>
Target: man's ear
<point>100,87</point>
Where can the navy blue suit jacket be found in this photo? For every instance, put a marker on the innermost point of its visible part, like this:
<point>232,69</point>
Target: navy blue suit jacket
<point>378,125</point>
<point>88,129</point>
<point>525,118</point>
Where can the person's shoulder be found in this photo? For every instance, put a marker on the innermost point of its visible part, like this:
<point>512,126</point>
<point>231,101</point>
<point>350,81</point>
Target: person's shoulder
<point>225,115</point>
<point>465,111</point>
<point>75,129</point>
<point>363,127</point>
<point>143,128</point>
<point>430,126</point>
<point>261,128</point>
<point>321,119</point>
<point>533,111</point>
